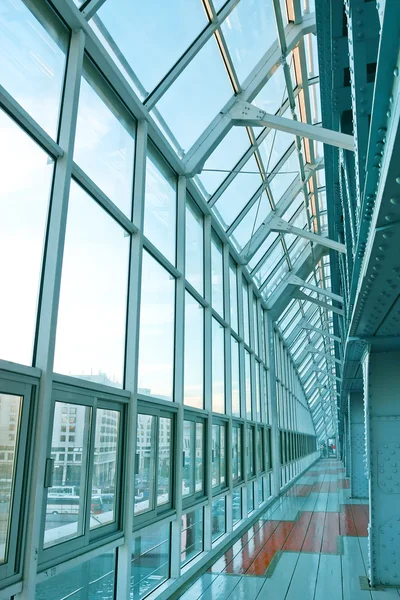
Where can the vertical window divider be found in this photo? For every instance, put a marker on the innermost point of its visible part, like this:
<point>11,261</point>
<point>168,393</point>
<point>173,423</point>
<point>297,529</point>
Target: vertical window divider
<point>87,472</point>
<point>175,563</point>
<point>275,441</point>
<point>49,299</point>
<point>131,360</point>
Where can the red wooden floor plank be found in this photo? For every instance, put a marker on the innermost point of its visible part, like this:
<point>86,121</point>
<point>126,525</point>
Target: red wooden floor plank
<point>313,539</point>
<point>243,559</point>
<point>273,545</point>
<point>296,537</point>
<point>360,519</point>
<point>331,532</point>
<point>346,521</point>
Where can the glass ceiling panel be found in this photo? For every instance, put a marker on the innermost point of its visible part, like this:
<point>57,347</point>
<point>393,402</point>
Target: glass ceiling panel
<point>284,177</point>
<point>138,37</point>
<point>274,147</point>
<point>226,155</point>
<point>295,205</point>
<point>199,93</point>
<point>276,278</point>
<point>270,262</point>
<point>263,249</point>
<point>249,31</point>
<point>270,97</point>
<point>251,222</point>
<point>238,193</point>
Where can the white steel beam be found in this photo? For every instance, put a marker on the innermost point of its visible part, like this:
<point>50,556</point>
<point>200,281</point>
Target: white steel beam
<point>245,114</point>
<point>301,296</point>
<point>330,357</point>
<point>295,280</point>
<point>307,325</point>
<point>275,223</point>
<point>331,375</point>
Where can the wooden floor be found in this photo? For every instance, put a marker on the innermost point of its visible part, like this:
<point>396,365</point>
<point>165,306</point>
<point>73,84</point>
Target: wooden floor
<point>310,545</point>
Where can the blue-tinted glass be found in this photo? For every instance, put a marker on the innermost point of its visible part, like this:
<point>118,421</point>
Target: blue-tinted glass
<point>197,96</point>
<point>238,193</point>
<point>249,31</point>
<point>148,37</point>
<point>194,360</point>
<point>105,146</point>
<point>226,155</point>
<point>150,560</point>
<point>32,60</point>
<point>273,93</point>
<point>284,177</point>
<point>160,205</point>
<point>251,222</point>
<point>274,147</point>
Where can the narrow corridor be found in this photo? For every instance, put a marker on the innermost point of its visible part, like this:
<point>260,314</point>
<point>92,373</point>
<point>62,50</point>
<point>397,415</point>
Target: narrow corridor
<point>311,544</point>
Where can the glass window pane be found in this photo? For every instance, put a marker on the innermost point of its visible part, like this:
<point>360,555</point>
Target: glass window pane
<point>164,461</point>
<point>145,463</point>
<point>254,218</point>
<point>192,535</point>
<point>238,193</point>
<point>26,179</point>
<point>91,580</point>
<point>250,497</point>
<point>217,287</point>
<point>160,205</point>
<point>194,353</point>
<point>105,467</point>
<point>246,312</point>
<point>247,370</point>
<point>218,367</point>
<point>258,394</point>
<point>237,505</point>
<point>157,316</point>
<point>273,94</point>
<point>250,450</point>
<point>235,377</point>
<point>33,60</point>
<point>194,246</point>
<point>233,295</point>
<point>216,448</point>
<point>105,143</point>
<point>65,505</point>
<point>91,323</point>
<point>10,414</point>
<point>236,452</point>
<point>249,31</point>
<point>255,324</point>
<point>139,35</point>
<point>205,72</point>
<point>150,560</point>
<point>218,518</point>
<point>188,459</point>
<point>199,466</point>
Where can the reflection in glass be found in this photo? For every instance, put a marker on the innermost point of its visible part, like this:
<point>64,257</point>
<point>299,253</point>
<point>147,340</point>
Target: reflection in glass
<point>150,560</point>
<point>192,535</point>
<point>105,143</point>
<point>160,204</point>
<point>194,353</point>
<point>250,497</point>
<point>91,580</point>
<point>236,452</point>
<point>199,466</point>
<point>246,324</point>
<point>105,467</point>
<point>218,518</point>
<point>10,414</point>
<point>218,467</point>
<point>233,295</point>
<point>260,491</point>
<point>156,344</point>
<point>218,367</point>
<point>258,394</point>
<point>235,377</point>
<point>65,505</point>
<point>255,324</point>
<point>91,323</point>
<point>187,468</point>
<point>237,505</point>
<point>247,373</point>
<point>26,179</point>
<point>145,463</point>
<point>33,61</point>
<point>217,288</point>
<point>260,449</point>
<point>205,72</point>
<point>164,461</point>
<point>250,450</point>
<point>194,246</point>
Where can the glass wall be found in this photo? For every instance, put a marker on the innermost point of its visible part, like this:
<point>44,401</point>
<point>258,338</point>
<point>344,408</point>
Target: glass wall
<point>138,384</point>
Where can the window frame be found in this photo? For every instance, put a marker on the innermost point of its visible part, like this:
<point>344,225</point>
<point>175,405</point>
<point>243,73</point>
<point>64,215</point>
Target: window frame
<point>189,501</point>
<point>221,487</point>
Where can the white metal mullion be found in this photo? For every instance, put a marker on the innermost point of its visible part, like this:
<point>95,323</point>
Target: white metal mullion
<point>179,375</point>
<point>131,361</point>
<point>47,319</point>
<point>19,114</point>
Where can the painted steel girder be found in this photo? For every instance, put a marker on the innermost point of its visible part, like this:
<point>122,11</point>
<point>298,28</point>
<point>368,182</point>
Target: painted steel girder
<point>245,114</point>
<point>275,223</point>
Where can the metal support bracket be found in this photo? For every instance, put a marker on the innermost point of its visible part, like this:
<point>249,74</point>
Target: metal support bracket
<point>307,325</point>
<point>277,224</point>
<point>245,114</point>
<point>301,296</point>
<point>293,279</point>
